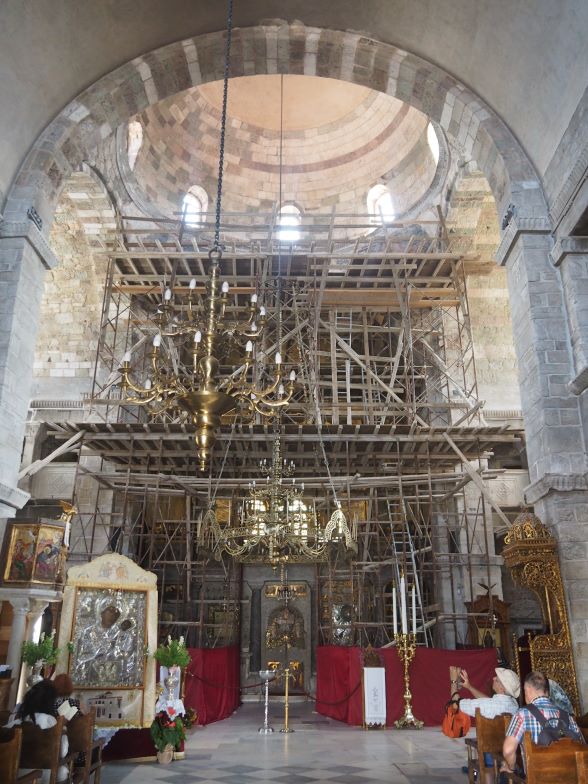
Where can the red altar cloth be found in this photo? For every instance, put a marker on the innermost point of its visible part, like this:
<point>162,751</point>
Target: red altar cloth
<point>219,666</point>
<point>213,683</point>
<point>338,673</point>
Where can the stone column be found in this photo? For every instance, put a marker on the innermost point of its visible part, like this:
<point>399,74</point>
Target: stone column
<point>20,608</point>
<point>255,630</point>
<point>555,422</point>
<point>24,257</point>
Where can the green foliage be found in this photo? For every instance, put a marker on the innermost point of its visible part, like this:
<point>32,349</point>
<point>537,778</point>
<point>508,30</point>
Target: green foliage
<point>44,650</point>
<point>166,729</point>
<point>173,654</point>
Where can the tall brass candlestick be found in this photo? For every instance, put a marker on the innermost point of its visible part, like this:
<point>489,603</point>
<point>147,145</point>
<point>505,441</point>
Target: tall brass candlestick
<point>406,647</point>
<point>286,728</point>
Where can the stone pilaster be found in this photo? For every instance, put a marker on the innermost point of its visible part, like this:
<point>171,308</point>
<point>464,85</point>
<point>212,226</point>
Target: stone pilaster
<point>24,256</point>
<point>553,415</point>
<point>570,255</point>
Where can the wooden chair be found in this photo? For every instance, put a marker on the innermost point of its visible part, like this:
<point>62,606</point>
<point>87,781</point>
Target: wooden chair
<point>80,733</point>
<point>553,764</point>
<point>10,744</point>
<point>42,749</point>
<point>582,766</point>
<point>489,738</point>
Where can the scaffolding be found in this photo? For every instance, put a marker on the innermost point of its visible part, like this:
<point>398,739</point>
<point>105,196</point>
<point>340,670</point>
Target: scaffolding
<point>379,328</point>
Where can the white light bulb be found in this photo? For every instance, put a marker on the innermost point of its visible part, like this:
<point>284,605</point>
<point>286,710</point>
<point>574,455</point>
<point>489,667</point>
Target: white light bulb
<point>281,392</point>
<point>292,375</point>
<point>127,357</point>
<point>148,384</point>
<point>278,358</point>
<point>249,347</point>
<point>253,299</point>
<point>157,340</point>
<point>262,311</point>
<point>254,327</point>
<point>168,295</point>
<point>197,336</point>
<point>225,287</point>
<point>193,283</point>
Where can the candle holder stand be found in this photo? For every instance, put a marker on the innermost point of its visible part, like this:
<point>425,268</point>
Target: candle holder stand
<point>287,676</point>
<point>267,676</point>
<point>406,647</point>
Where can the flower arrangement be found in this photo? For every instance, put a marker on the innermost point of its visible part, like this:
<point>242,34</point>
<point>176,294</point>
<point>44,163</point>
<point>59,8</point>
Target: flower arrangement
<point>167,729</point>
<point>173,654</point>
<point>190,718</point>
<point>44,650</point>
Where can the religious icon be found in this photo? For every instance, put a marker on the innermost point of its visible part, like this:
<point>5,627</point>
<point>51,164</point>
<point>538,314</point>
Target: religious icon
<point>48,553</point>
<point>108,638</point>
<point>285,627</point>
<point>34,553</point>
<point>21,556</point>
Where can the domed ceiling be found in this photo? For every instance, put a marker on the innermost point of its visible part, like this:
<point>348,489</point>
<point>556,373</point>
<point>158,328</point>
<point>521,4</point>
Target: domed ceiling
<point>337,141</point>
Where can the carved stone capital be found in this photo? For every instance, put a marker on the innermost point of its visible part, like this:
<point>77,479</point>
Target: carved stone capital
<point>26,230</point>
<point>559,483</point>
<point>565,246</point>
<point>513,231</point>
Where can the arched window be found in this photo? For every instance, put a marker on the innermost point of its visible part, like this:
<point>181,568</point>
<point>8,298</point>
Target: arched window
<point>194,206</point>
<point>379,204</point>
<point>289,221</point>
<point>433,142</point>
<point>134,141</point>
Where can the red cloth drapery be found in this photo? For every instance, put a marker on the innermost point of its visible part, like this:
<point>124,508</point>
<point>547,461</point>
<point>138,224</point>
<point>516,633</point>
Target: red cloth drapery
<point>338,673</point>
<point>212,685</point>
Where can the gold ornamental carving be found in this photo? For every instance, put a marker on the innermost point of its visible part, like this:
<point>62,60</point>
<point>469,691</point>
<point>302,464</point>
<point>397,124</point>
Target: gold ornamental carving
<point>531,554</point>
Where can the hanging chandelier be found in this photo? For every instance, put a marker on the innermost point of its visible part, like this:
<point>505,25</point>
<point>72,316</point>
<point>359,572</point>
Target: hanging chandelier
<point>276,524</point>
<point>194,339</point>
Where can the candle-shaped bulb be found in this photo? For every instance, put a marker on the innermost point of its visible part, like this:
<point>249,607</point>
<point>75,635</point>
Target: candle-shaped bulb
<point>249,347</point>
<point>127,357</point>
<point>197,336</point>
<point>253,299</point>
<point>254,327</point>
<point>278,358</point>
<point>292,375</point>
<point>225,287</point>
<point>148,384</point>
<point>193,284</point>
<point>281,392</point>
<point>262,311</point>
<point>168,295</point>
<point>157,340</point>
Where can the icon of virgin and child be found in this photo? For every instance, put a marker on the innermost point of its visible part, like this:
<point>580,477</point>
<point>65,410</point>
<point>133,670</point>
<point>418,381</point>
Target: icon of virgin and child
<point>106,651</point>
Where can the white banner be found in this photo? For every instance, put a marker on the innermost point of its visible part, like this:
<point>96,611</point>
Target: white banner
<point>374,696</point>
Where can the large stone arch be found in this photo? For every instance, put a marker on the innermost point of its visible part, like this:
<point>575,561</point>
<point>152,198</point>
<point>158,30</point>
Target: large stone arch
<point>94,115</point>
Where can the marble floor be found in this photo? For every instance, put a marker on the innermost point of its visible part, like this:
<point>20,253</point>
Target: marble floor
<point>319,750</point>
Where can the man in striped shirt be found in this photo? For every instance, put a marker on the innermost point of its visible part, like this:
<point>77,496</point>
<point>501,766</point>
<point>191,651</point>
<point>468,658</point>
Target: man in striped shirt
<point>536,693</point>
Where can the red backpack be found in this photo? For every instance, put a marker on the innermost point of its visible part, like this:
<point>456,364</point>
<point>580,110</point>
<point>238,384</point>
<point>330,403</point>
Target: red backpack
<point>456,723</point>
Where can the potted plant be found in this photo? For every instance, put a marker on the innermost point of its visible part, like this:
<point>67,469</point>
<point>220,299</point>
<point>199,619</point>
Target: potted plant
<point>167,732</point>
<point>173,655</point>
<point>39,654</point>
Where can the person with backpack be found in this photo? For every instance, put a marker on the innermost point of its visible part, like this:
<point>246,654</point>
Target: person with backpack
<point>541,717</point>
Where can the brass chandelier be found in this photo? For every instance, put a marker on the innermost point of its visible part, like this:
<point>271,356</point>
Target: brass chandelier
<point>187,350</point>
<point>276,524</point>
<point>194,339</point>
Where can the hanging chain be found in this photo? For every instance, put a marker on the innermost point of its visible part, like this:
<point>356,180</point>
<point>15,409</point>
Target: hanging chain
<point>216,246</point>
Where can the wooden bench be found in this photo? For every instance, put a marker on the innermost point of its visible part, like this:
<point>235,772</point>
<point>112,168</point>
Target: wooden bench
<point>554,764</point>
<point>80,734</point>
<point>42,749</point>
<point>10,745</point>
<point>489,739</point>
